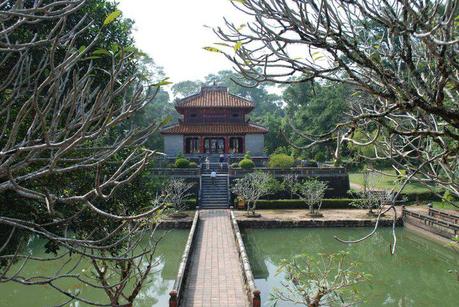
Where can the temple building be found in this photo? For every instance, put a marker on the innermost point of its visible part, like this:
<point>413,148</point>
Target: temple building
<point>214,121</point>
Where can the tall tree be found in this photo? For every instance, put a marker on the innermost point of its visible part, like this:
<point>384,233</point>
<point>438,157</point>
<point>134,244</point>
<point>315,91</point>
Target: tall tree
<point>401,56</point>
<point>317,108</point>
<point>69,84</point>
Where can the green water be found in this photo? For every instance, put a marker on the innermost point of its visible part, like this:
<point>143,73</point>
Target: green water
<point>417,275</point>
<point>155,293</point>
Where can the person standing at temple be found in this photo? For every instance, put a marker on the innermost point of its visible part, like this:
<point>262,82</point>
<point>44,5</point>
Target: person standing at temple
<point>207,163</point>
<point>222,159</point>
<point>213,175</point>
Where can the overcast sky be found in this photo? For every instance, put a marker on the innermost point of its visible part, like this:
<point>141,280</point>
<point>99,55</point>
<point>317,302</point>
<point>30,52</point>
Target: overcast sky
<point>172,32</point>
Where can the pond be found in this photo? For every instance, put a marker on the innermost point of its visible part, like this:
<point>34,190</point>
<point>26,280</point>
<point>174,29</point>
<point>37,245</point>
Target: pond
<point>155,293</point>
<point>417,275</point>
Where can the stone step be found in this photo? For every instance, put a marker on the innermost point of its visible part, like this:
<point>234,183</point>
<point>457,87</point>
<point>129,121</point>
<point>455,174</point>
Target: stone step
<point>214,207</point>
<point>215,192</point>
<point>217,195</point>
<point>214,200</point>
<point>216,186</point>
<point>214,203</point>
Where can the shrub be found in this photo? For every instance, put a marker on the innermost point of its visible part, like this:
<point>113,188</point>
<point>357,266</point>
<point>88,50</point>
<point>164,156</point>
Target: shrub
<point>280,161</point>
<point>234,165</point>
<point>246,164</point>
<point>171,165</point>
<point>193,165</point>
<point>310,163</point>
<point>447,197</point>
<point>247,155</point>
<point>182,163</point>
<point>320,156</point>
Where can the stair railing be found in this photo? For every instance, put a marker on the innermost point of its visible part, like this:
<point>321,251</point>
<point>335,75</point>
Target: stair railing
<point>200,184</point>
<point>229,190</point>
<point>200,190</point>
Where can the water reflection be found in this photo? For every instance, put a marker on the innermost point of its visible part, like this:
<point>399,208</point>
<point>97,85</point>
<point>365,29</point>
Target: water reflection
<point>416,276</point>
<point>155,292</point>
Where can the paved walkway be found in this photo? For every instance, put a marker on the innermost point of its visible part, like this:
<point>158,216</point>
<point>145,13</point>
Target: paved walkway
<point>215,276</point>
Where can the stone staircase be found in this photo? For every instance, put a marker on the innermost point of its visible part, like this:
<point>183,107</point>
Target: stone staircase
<point>214,195</point>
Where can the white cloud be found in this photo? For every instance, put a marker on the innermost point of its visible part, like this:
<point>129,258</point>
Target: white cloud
<point>172,32</point>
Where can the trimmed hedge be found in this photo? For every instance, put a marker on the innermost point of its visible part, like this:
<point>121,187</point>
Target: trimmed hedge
<point>246,164</point>
<point>330,203</point>
<point>281,161</point>
<point>182,163</point>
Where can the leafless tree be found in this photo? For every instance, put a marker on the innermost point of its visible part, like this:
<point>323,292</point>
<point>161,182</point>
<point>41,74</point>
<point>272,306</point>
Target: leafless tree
<point>178,190</point>
<point>58,120</point>
<point>372,197</point>
<point>402,58</point>
<point>251,187</point>
<point>327,281</point>
<point>310,191</point>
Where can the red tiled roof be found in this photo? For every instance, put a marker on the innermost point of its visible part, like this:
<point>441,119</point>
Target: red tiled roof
<point>216,97</point>
<point>214,129</point>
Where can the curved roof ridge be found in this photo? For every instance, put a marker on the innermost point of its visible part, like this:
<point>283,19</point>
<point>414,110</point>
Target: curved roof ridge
<point>216,97</point>
<point>214,129</point>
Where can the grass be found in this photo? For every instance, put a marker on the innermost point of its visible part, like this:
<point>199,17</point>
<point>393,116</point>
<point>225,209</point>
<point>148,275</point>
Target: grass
<point>442,205</point>
<point>386,182</point>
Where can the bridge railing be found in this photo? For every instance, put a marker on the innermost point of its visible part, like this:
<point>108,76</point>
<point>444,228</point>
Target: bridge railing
<point>439,226</point>
<point>451,217</point>
<point>176,294</point>
<point>252,292</point>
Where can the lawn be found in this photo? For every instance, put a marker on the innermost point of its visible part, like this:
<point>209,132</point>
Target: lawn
<point>442,205</point>
<point>387,182</point>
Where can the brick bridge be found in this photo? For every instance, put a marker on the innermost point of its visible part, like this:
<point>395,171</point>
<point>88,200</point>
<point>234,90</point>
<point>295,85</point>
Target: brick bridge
<point>215,270</point>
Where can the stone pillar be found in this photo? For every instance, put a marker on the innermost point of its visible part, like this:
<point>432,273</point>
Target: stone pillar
<point>201,144</point>
<point>173,299</point>
<point>256,298</point>
<point>226,145</point>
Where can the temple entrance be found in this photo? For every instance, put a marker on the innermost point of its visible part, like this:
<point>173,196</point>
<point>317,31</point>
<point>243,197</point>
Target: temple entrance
<point>236,145</point>
<point>214,145</point>
<point>191,145</point>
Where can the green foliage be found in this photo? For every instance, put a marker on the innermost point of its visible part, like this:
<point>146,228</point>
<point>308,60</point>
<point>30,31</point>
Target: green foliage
<point>182,163</point>
<point>281,161</point>
<point>185,88</point>
<point>112,17</point>
<point>246,164</point>
<point>320,156</point>
<point>314,108</point>
<point>193,165</point>
<point>448,198</point>
<point>247,155</point>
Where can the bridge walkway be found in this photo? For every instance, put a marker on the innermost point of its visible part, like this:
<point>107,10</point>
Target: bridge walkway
<point>215,276</point>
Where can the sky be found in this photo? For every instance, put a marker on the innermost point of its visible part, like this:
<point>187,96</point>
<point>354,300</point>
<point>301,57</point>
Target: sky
<point>172,32</point>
